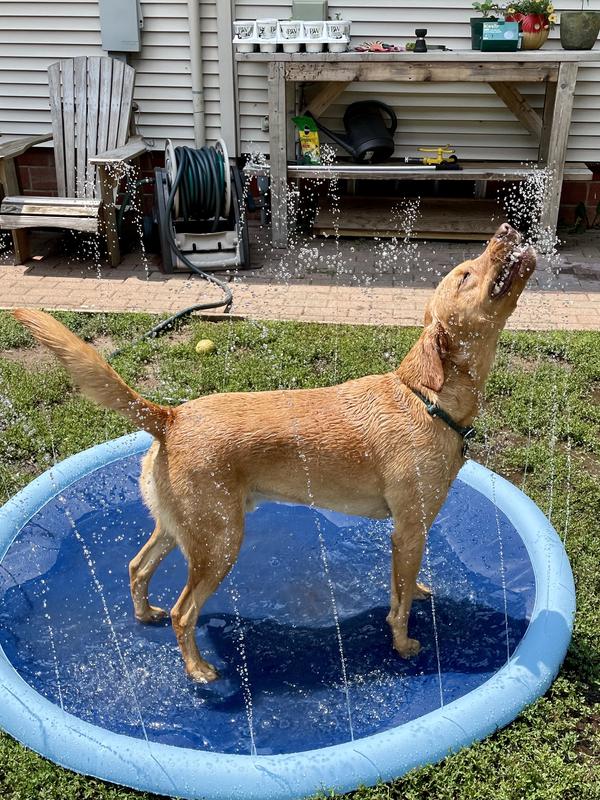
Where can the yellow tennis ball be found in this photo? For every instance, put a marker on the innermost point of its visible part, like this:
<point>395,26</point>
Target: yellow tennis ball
<point>205,346</point>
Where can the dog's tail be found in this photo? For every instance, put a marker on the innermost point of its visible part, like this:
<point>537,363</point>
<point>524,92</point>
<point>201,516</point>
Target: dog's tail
<point>96,379</point>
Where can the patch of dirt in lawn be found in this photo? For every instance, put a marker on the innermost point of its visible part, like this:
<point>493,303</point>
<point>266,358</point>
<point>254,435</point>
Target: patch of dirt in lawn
<point>104,344</point>
<point>524,364</point>
<point>588,462</point>
<point>39,357</point>
<point>182,336</point>
<point>531,365</point>
<point>151,382</point>
<point>36,357</point>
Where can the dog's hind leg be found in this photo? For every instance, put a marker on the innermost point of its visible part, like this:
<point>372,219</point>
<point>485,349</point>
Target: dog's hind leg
<point>210,557</point>
<point>142,568</point>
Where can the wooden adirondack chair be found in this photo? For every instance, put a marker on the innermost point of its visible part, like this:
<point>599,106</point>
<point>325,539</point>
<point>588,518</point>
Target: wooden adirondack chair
<point>90,103</point>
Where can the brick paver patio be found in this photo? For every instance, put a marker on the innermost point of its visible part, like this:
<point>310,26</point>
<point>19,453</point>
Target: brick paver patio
<point>317,280</point>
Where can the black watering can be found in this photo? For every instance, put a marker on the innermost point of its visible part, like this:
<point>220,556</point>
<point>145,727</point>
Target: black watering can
<point>366,131</point>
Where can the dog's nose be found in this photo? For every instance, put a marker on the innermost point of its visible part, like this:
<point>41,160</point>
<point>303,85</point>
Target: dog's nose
<point>505,230</point>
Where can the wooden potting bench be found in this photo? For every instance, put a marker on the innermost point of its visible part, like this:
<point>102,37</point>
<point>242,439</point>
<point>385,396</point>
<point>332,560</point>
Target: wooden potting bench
<point>333,72</point>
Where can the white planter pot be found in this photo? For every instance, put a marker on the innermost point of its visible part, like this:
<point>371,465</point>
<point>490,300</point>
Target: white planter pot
<point>266,28</point>
<point>244,29</point>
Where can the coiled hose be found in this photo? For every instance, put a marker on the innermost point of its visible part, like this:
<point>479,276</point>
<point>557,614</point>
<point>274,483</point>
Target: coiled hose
<point>200,179</point>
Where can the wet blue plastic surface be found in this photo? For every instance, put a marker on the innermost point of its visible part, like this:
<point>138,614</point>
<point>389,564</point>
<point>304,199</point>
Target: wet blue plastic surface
<point>67,624</point>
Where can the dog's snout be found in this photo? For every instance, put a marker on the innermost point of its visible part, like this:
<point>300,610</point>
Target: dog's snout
<point>506,231</point>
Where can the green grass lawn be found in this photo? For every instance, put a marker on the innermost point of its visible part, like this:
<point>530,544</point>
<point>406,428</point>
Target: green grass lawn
<point>541,424</point>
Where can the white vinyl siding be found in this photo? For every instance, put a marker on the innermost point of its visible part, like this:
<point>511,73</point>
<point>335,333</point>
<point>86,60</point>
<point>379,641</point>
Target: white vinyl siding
<point>469,116</point>
<point>33,35</point>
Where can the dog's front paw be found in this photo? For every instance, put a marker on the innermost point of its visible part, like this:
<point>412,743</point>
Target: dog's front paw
<point>203,673</point>
<point>406,647</point>
<point>152,614</point>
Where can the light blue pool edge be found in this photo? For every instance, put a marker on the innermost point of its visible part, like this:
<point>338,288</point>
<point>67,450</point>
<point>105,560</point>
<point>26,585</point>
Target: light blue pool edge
<point>169,770</point>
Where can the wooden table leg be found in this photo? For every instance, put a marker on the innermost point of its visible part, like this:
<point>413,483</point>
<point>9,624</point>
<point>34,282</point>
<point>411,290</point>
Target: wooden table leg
<point>109,217</point>
<point>549,104</point>
<point>556,145</point>
<point>10,184</point>
<point>278,153</point>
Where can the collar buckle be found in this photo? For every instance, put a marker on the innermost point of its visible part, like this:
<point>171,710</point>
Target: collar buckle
<point>436,411</point>
<point>468,435</point>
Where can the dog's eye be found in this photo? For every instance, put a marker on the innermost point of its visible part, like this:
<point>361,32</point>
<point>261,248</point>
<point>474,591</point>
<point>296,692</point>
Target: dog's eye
<point>464,278</point>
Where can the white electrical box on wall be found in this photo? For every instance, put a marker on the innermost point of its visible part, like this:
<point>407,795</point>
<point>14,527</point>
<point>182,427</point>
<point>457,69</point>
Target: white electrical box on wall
<point>121,23</point>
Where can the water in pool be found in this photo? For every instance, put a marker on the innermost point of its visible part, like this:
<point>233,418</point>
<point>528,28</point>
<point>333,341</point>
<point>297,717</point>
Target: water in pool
<point>68,628</point>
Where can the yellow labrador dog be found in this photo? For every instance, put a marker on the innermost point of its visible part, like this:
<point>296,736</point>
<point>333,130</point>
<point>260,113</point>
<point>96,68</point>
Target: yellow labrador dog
<point>378,446</point>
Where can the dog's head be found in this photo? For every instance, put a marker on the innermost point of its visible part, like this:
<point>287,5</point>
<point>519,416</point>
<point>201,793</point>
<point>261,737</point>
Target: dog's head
<point>471,305</point>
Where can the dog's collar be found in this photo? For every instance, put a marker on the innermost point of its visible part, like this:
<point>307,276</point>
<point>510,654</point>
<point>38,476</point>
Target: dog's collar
<point>467,433</point>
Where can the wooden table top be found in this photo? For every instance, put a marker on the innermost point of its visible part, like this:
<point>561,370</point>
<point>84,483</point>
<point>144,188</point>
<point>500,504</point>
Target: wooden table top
<point>547,55</point>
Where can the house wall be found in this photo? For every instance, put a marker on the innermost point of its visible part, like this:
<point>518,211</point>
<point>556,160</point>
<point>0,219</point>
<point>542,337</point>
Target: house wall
<point>469,116</point>
<point>35,34</point>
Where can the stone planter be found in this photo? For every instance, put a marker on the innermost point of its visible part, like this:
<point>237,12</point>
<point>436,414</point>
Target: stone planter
<point>579,29</point>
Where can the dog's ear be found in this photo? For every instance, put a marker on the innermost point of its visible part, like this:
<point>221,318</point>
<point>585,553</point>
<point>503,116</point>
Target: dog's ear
<point>435,345</point>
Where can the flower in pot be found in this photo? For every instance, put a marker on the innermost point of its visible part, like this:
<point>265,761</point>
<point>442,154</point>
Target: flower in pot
<point>536,18</point>
<point>488,10</point>
<point>579,29</point>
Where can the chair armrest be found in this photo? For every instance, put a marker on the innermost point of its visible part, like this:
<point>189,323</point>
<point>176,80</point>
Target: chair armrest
<point>134,147</point>
<point>13,146</point>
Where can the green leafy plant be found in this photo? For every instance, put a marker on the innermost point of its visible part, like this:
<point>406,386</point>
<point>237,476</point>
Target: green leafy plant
<point>544,7</point>
<point>487,8</point>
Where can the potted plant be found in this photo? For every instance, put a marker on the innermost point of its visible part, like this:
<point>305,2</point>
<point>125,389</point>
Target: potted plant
<point>536,18</point>
<point>487,10</point>
<point>579,29</point>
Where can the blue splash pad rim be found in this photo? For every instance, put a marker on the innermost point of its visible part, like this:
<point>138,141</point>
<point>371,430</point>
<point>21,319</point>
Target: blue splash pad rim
<point>166,769</point>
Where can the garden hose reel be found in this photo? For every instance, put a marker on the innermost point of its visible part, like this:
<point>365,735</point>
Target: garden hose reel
<point>199,210</point>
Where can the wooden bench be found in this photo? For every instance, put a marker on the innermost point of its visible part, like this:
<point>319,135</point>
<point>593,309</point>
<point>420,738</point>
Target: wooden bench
<point>90,104</point>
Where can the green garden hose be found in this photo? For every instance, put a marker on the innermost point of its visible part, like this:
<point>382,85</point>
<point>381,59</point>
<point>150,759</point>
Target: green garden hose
<point>201,182</point>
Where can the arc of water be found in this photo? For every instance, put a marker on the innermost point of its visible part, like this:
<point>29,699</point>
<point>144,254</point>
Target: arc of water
<point>234,594</point>
<point>54,658</point>
<point>502,567</point>
<point>552,438</point>
<point>569,447</point>
<point>109,621</point>
<point>107,615</point>
<point>532,389</point>
<point>243,670</point>
<point>326,569</point>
